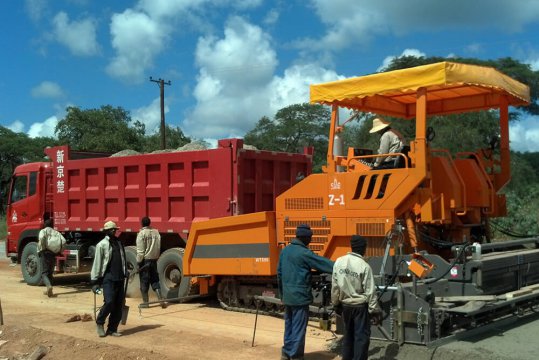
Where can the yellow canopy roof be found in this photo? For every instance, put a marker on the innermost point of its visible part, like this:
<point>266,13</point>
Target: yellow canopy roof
<point>451,88</point>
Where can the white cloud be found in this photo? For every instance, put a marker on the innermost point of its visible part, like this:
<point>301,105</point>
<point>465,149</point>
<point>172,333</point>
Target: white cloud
<point>150,115</point>
<point>137,39</point>
<point>237,84</point>
<point>293,87</point>
<point>172,8</point>
<point>167,8</point>
<point>35,8</point>
<point>47,89</point>
<point>234,72</point>
<point>139,34</point>
<point>355,22</point>
<point>246,4</point>
<point>17,126</point>
<point>406,52</point>
<point>524,134</point>
<point>42,129</point>
<point>271,17</point>
<point>78,36</point>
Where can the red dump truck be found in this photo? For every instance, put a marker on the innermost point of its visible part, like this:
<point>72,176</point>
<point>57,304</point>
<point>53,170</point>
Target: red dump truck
<point>81,191</point>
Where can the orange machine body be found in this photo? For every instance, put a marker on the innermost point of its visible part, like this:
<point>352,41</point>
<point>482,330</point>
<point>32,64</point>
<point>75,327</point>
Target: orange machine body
<point>454,193</point>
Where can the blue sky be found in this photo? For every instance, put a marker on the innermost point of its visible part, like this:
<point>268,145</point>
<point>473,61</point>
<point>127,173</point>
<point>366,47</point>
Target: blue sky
<point>232,62</point>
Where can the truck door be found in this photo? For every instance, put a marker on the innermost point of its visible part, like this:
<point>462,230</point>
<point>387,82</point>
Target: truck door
<point>23,206</point>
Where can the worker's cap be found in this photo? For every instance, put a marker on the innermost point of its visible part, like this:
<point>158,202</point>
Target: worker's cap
<point>304,230</point>
<point>358,242</point>
<point>110,225</point>
<point>379,124</point>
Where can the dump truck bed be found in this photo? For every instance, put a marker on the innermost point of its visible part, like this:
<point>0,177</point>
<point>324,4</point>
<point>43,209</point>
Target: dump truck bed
<point>174,189</point>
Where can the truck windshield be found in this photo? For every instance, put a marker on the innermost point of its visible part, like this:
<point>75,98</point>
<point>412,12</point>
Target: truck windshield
<point>19,189</point>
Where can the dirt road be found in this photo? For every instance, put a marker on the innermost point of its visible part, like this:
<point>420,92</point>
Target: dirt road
<point>197,330</point>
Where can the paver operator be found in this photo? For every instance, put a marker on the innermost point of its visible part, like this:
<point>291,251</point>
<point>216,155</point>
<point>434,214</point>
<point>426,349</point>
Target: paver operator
<point>391,141</point>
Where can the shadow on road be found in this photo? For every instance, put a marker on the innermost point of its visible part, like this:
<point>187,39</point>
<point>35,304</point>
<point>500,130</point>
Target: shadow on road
<point>140,328</point>
<point>320,355</point>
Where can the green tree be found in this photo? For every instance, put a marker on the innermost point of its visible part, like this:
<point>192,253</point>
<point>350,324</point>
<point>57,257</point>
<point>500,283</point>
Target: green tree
<point>105,129</point>
<point>174,139</point>
<point>522,218</point>
<point>523,174</point>
<point>293,128</point>
<point>532,158</point>
<point>522,194</point>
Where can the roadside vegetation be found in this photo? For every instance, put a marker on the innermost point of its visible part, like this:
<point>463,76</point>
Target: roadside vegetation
<point>300,125</point>
<point>3,227</point>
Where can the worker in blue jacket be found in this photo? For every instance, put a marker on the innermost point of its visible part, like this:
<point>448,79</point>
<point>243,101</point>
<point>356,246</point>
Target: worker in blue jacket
<point>294,277</point>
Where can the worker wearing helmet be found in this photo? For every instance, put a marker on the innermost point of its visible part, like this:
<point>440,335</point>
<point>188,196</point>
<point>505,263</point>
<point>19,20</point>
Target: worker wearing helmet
<point>353,295</point>
<point>391,141</point>
<point>109,271</point>
<point>294,280</point>
<point>148,250</point>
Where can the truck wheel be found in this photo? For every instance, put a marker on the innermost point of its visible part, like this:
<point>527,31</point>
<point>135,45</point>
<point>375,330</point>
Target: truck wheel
<point>170,269</point>
<point>133,284</point>
<point>31,264</point>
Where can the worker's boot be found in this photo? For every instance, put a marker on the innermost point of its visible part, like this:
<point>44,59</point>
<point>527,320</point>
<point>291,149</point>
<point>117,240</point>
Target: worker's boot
<point>160,297</point>
<point>145,300</point>
<point>101,330</point>
<point>47,283</point>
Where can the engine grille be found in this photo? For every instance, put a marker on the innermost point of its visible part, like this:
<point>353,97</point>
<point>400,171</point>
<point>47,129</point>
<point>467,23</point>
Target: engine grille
<point>371,229</point>
<point>320,230</point>
<point>316,203</point>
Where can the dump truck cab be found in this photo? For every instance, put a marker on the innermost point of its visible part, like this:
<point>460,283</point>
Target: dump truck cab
<point>26,206</point>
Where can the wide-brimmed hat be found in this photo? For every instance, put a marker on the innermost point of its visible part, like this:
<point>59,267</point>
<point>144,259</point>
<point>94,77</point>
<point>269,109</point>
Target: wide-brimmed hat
<point>110,225</point>
<point>379,124</point>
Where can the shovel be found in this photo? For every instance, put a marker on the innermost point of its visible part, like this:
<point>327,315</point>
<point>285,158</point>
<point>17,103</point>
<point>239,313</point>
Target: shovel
<point>125,308</point>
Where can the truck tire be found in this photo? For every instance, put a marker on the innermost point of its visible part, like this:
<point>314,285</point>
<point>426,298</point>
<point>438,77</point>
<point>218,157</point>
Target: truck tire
<point>133,283</point>
<point>31,264</point>
<point>170,269</point>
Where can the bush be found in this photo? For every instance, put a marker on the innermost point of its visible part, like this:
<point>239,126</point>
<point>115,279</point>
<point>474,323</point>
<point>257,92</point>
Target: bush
<point>3,227</point>
<point>523,213</point>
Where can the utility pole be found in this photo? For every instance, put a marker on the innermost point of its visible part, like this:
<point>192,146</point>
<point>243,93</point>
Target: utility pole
<point>162,84</point>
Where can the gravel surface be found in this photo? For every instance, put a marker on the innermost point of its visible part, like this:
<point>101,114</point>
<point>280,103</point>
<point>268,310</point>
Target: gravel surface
<point>197,330</point>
